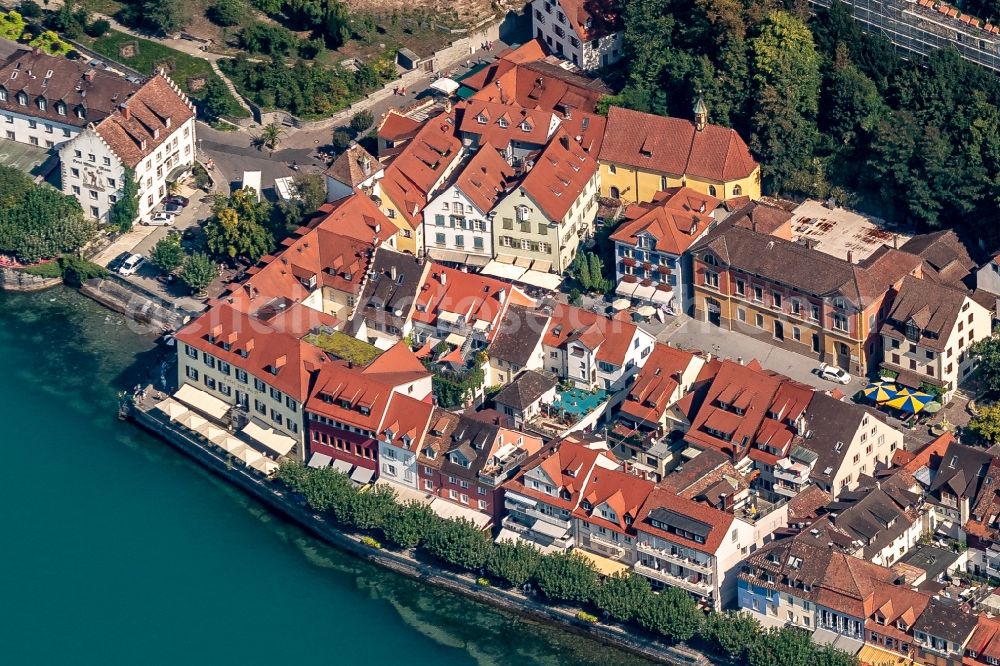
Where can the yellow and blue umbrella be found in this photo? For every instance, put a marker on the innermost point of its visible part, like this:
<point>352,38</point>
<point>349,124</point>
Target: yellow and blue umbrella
<point>880,391</point>
<point>911,403</point>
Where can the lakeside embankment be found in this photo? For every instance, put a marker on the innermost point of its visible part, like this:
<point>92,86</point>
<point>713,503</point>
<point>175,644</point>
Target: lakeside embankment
<point>144,413</point>
<point>122,540</point>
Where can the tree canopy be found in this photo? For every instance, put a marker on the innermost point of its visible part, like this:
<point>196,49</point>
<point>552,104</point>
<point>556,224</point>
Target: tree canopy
<point>238,228</point>
<point>39,221</point>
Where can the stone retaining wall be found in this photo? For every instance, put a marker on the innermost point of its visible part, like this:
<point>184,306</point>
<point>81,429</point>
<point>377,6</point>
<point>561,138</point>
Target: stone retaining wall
<point>12,279</point>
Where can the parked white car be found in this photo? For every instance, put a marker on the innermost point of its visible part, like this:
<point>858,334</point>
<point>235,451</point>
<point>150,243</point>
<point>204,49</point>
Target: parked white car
<point>161,220</point>
<point>131,265</point>
<point>834,374</point>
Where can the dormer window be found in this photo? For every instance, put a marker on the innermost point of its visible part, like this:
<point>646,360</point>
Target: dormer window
<point>42,104</point>
<point>525,127</point>
<point>586,505</point>
<point>22,99</point>
<point>81,112</point>
<point>3,95</point>
<point>481,119</point>
<point>61,109</point>
<point>711,260</point>
<point>503,123</point>
<point>912,332</point>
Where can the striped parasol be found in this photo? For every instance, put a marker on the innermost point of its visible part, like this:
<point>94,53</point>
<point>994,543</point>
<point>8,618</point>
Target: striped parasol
<point>911,403</point>
<point>880,391</point>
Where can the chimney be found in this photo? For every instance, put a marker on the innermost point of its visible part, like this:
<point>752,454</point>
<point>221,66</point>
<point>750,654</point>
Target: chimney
<point>248,346</point>
<point>88,75</point>
<point>217,330</point>
<point>443,277</point>
<point>126,114</point>
<point>850,256</point>
<point>392,273</point>
<point>280,362</point>
<point>895,241</point>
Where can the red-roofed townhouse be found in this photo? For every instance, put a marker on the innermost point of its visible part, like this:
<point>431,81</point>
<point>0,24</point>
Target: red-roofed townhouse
<point>643,154</point>
<point>544,219</point>
<point>640,433</point>
<point>588,34</point>
<point>513,130</point>
<point>151,132</point>
<point>419,170</point>
<point>541,498</point>
<point>354,169</point>
<point>458,224</point>
<point>651,263</point>
<point>252,363</point>
<point>393,132</point>
<point>605,520</point>
<point>689,545</point>
<point>464,460</point>
<point>463,309</point>
<point>984,646</point>
<point>352,412</point>
<point>593,352</point>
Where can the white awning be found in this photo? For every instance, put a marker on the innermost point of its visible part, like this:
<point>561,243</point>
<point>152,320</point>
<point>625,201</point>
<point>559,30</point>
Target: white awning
<point>202,401</point>
<point>447,317</point>
<point>523,262</point>
<point>192,421</point>
<point>661,296</point>
<point>642,292</point>
<point>445,85</point>
<point>171,408</point>
<point>362,475</point>
<point>511,535</point>
<point>446,509</point>
<point>455,339</point>
<point>269,437</point>
<point>342,466</point>
<point>626,288</point>
<point>542,265</point>
<point>230,444</point>
<point>549,281</point>
<point>480,325</point>
<point>502,269</point>
<point>319,460</point>
<point>248,455</point>
<point>519,499</point>
<point>549,530</point>
<point>265,465</point>
<point>212,432</point>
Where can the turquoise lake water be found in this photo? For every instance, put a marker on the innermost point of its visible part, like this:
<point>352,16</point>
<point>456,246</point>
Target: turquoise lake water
<point>118,550</point>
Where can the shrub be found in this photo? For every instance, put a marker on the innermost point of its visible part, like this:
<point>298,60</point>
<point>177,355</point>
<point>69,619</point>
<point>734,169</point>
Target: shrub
<point>361,121</point>
<point>482,582</point>
<point>227,12</point>
<point>566,577</point>
<point>29,9</point>
<point>76,271</point>
<point>458,542</point>
<point>98,28</point>
<point>584,616</point>
<point>370,542</point>
<point>341,140</point>
<point>50,269</point>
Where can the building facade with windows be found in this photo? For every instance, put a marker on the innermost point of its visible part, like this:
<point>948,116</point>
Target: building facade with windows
<point>643,154</point>
<point>152,133</point>
<point>588,34</point>
<point>47,100</point>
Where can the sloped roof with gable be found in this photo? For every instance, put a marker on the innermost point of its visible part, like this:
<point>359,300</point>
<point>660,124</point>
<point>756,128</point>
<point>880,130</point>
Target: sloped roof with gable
<point>623,493</point>
<point>715,523</point>
<point>591,19</point>
<point>674,146</point>
<point>356,216</point>
<point>674,219</point>
<point>610,337</point>
<point>501,124</point>
<point>933,308</point>
<point>353,166</point>
<point>526,389</point>
<point>474,297</point>
<point>520,332</point>
<point>538,84</point>
<point>567,464</point>
<point>141,125</point>
<point>391,290</point>
<point>485,178</point>
<point>559,176</point>
<point>650,394</point>
<point>411,176</point>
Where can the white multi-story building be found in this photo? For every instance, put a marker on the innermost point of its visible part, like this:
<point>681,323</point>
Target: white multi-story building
<point>47,100</point>
<point>152,133</point>
<point>588,34</point>
<point>458,223</point>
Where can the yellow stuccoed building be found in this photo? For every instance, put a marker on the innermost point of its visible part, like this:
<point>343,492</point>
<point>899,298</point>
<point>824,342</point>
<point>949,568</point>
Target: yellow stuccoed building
<point>643,154</point>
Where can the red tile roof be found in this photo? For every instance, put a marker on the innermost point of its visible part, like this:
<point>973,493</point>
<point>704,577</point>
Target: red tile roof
<point>356,216</point>
<point>985,641</point>
<point>538,85</point>
<point>141,125</point>
<point>396,127</point>
<point>674,219</point>
<point>559,176</point>
<point>567,464</point>
<point>420,166</point>
<point>501,124</point>
<point>623,493</point>
<point>475,297</point>
<point>673,146</point>
<point>591,19</point>
<point>717,521</point>
<point>485,178</point>
<point>611,338</point>
<point>649,395</point>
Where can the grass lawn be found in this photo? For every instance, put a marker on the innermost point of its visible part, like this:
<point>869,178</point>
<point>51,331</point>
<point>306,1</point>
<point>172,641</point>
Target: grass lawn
<point>184,69</point>
<point>345,347</point>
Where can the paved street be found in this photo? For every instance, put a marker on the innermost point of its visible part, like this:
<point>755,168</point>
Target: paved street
<point>688,333</point>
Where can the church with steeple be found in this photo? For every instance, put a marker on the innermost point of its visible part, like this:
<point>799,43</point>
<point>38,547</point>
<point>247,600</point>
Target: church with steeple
<point>643,154</point>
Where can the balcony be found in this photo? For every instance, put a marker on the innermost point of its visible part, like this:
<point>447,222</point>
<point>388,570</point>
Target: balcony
<point>699,588</point>
<point>536,514</point>
<point>786,490</point>
<point>604,546</point>
<point>791,475</point>
<point>529,534</point>
<point>674,556</point>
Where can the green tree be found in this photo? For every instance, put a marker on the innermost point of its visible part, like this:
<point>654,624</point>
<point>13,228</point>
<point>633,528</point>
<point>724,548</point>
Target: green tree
<point>513,561</point>
<point>828,655</point>
<point>167,254</point>
<point>409,524</point>
<point>294,474</point>
<point>228,12</point>
<point>76,270</point>
<point>622,595</point>
<point>361,121</point>
<point>786,86</point>
<point>987,352</point>
<point>329,490</point>
<point>673,613</point>
<point>986,424</point>
<point>458,542</point>
<point>98,28</point>
<point>732,632</point>
<point>124,211</point>
<point>198,272</point>
<point>164,16</point>
<point>852,105</point>
<point>270,136</point>
<point>341,140</point>
<point>237,228</point>
<point>38,221</point>
<point>12,25</point>
<point>49,42</point>
<point>216,101</point>
<point>310,188</point>
<point>566,576</point>
<point>370,510</point>
<point>29,9</point>
<point>788,647</point>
